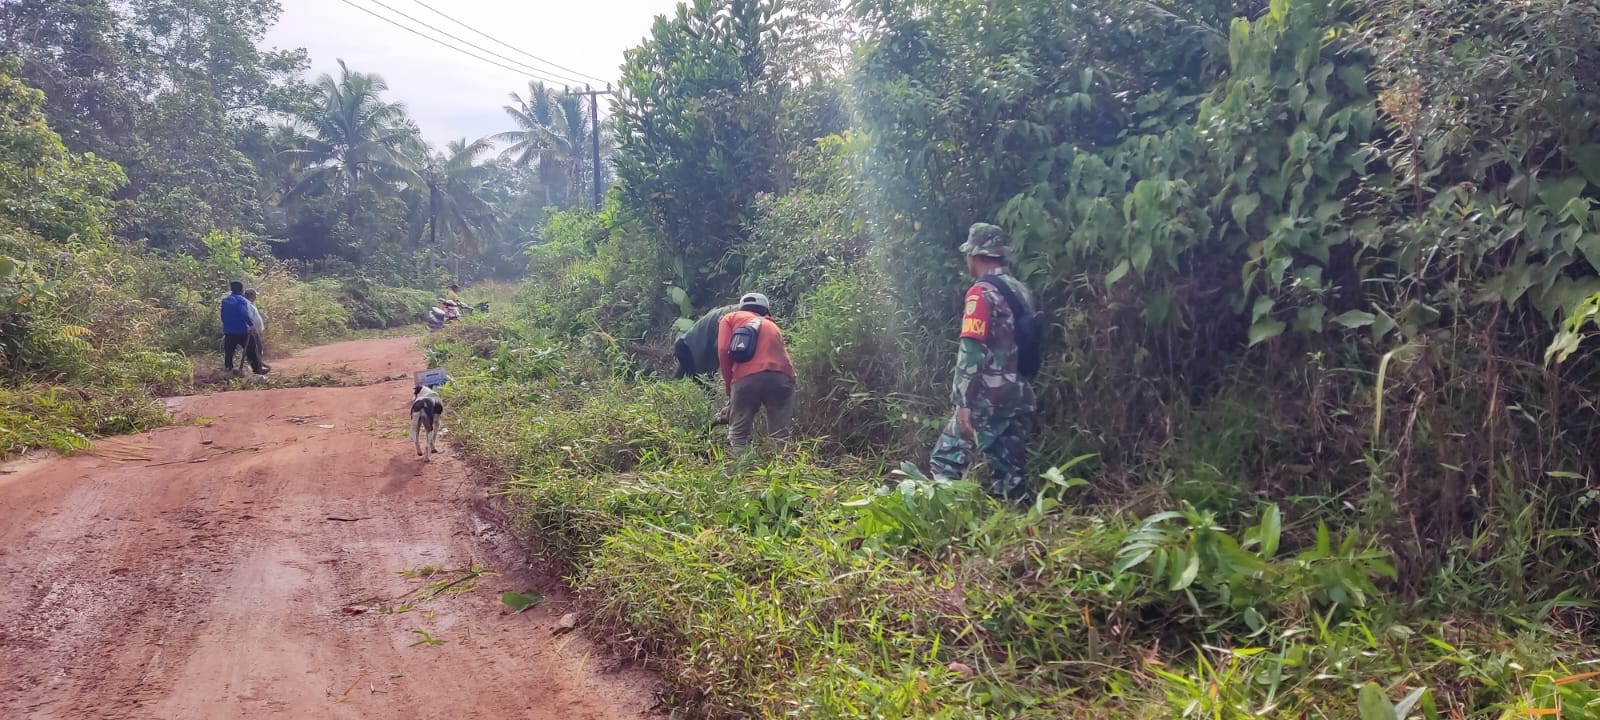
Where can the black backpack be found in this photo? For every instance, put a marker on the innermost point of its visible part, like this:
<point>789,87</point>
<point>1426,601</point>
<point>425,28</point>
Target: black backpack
<point>1029,328</point>
<point>742,346</point>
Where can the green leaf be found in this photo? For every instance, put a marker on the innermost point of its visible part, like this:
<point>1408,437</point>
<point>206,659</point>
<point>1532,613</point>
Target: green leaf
<point>1521,189</point>
<point>1373,705</point>
<point>1403,708</point>
<point>1131,561</point>
<point>1311,318</point>
<point>1265,329</point>
<point>521,601</point>
<point>1160,564</point>
<point>1589,245</point>
<point>1382,325</point>
<point>1141,255</point>
<point>1117,273</point>
<point>1079,460</point>
<point>1243,206</point>
<point>1310,275</point>
<point>1587,159</point>
<point>1253,619</point>
<point>1557,193</point>
<point>1190,571</point>
<point>1355,319</point>
<point>1271,530</point>
<point>1262,306</point>
<point>1278,267</point>
<point>1161,517</point>
<point>1577,210</point>
<point>1562,347</point>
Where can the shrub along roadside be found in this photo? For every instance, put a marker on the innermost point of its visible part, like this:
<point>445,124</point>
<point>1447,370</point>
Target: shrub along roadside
<point>790,585</point>
<point>93,327</point>
<point>91,333</point>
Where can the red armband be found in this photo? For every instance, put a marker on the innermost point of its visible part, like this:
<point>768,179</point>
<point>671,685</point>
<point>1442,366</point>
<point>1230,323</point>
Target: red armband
<point>975,318</point>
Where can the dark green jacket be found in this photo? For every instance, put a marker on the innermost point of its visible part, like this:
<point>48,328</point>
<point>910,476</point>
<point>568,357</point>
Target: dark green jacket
<point>702,339</point>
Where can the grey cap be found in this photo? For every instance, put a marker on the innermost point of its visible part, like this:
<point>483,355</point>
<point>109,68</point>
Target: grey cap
<point>755,300</point>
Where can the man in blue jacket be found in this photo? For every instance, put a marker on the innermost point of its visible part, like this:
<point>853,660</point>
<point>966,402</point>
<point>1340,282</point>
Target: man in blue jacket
<point>236,327</point>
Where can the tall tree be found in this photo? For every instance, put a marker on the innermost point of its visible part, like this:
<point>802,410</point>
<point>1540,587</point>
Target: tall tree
<point>696,121</point>
<point>553,135</point>
<point>212,46</point>
<point>71,50</point>
<point>354,136</point>
<point>187,175</point>
<point>44,187</point>
<point>452,192</point>
<point>166,89</point>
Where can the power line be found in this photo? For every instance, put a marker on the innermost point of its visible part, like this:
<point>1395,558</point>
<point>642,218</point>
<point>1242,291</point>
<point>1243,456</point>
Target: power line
<point>475,46</point>
<point>430,38</point>
<point>538,75</point>
<point>506,45</point>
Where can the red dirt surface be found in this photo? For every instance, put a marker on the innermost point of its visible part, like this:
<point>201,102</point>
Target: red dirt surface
<point>194,572</point>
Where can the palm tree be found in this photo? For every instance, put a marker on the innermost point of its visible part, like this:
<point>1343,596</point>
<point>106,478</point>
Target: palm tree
<point>448,197</point>
<point>354,136</point>
<point>553,135</point>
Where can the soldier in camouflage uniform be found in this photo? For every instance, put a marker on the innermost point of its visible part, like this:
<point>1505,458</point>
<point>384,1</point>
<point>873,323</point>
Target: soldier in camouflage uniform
<point>993,401</point>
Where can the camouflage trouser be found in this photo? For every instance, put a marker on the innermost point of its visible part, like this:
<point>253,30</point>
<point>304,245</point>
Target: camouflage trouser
<point>1004,443</point>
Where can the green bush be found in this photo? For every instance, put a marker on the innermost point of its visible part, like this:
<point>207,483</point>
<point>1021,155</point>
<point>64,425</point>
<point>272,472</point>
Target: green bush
<point>814,233</point>
<point>816,585</point>
<point>45,188</point>
<point>117,324</point>
<point>67,419</point>
<point>304,311</point>
<point>378,306</point>
<point>596,273</point>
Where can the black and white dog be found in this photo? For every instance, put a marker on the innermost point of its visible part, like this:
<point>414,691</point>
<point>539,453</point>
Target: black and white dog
<point>426,407</point>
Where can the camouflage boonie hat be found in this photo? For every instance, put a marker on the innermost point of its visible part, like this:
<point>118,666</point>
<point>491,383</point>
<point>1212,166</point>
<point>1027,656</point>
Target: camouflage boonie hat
<point>985,239</point>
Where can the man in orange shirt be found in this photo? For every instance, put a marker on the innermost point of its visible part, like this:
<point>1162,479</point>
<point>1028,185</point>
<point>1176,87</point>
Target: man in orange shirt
<point>764,380</point>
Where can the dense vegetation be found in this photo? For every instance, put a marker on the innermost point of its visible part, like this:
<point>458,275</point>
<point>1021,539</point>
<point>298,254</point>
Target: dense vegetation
<point>1316,422</point>
<point>1316,426</point>
<point>151,151</point>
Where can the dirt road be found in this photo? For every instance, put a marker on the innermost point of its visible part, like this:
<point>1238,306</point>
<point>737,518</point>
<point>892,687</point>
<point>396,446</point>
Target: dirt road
<point>197,572</point>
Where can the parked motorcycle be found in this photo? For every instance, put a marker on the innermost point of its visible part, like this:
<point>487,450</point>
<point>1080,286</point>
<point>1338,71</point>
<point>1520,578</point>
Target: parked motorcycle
<point>441,314</point>
<point>446,312</point>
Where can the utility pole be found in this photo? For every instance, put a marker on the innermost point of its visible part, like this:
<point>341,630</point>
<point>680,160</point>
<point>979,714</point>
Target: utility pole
<point>594,132</point>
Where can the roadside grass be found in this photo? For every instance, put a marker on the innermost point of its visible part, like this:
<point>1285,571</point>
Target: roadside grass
<point>69,419</point>
<point>790,583</point>
<point>110,328</point>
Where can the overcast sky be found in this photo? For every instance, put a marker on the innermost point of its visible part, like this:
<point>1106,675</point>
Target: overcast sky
<point>450,94</point>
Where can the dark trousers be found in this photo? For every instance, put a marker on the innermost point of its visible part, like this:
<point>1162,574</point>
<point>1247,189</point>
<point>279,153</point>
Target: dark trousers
<point>254,346</point>
<point>237,341</point>
<point>771,390</point>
